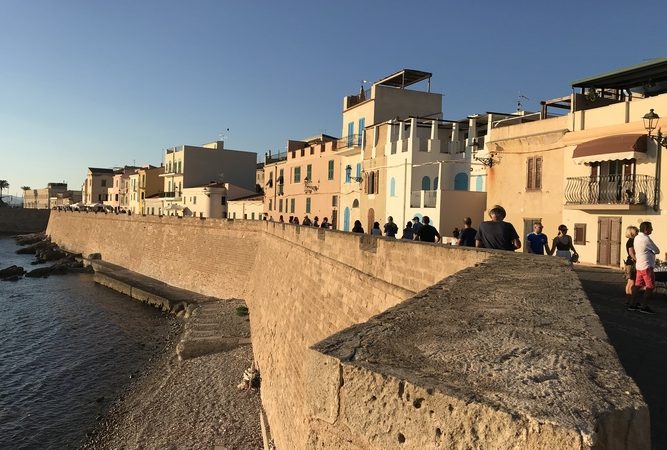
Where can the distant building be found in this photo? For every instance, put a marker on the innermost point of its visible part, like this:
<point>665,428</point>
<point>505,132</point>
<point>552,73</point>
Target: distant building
<point>259,177</point>
<point>145,182</point>
<point>250,207</point>
<point>96,186</point>
<point>41,198</point>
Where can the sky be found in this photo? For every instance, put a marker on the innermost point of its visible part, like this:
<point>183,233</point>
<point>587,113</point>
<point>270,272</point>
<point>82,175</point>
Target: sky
<point>98,83</point>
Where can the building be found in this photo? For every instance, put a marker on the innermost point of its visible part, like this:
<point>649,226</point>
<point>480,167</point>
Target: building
<point>42,198</point>
<point>250,207</point>
<point>198,174</point>
<point>95,188</point>
<point>592,168</point>
<point>67,198</point>
<point>259,177</point>
<point>144,182</point>
<point>307,180</point>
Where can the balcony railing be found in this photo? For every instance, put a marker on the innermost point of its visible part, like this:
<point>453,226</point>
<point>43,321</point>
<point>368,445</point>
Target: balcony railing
<point>611,190</point>
<point>423,199</point>
<point>351,141</point>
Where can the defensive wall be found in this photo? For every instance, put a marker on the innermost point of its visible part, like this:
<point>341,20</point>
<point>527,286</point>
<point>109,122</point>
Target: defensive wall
<point>22,220</point>
<point>369,343</point>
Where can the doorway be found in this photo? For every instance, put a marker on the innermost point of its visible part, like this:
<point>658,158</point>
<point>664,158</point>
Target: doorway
<point>371,219</point>
<point>609,241</point>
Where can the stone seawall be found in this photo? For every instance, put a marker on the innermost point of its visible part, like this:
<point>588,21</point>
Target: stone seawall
<point>21,220</point>
<point>304,285</point>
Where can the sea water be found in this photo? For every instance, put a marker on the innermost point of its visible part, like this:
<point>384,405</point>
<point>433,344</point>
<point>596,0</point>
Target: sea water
<point>67,348</point>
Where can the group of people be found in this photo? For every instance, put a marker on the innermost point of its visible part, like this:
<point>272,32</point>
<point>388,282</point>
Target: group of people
<point>414,230</point>
<point>306,221</point>
<point>562,245</point>
<point>640,267</point>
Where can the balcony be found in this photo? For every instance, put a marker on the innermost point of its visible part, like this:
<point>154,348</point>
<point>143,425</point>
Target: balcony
<point>348,142</point>
<point>611,192</point>
<point>423,199</point>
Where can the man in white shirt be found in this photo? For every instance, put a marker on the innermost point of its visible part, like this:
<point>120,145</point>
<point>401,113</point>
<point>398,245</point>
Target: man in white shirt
<point>645,251</point>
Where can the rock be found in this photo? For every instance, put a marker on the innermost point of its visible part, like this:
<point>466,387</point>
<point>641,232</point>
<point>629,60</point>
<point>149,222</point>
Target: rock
<point>12,278</point>
<point>11,271</point>
<point>27,239</point>
<point>39,272</point>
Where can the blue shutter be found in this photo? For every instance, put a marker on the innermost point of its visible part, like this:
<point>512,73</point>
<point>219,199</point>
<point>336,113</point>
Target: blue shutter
<point>479,184</point>
<point>350,134</point>
<point>435,183</point>
<point>362,125</point>
<point>461,182</point>
<point>426,184</point>
<point>392,187</point>
<point>358,170</point>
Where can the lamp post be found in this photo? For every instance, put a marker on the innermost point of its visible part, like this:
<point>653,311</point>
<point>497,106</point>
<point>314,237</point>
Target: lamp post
<point>651,120</point>
<point>487,161</point>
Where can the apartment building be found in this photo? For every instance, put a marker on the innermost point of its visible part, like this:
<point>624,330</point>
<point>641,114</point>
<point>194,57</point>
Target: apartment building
<point>592,166</point>
<point>250,207</point>
<point>95,188</point>
<point>43,198</point>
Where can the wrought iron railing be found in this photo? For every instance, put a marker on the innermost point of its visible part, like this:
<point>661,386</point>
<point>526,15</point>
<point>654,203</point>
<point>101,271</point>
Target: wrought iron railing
<point>611,190</point>
<point>353,140</point>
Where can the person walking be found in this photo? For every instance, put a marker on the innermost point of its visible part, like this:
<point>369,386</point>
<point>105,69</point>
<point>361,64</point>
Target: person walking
<point>427,232</point>
<point>645,251</point>
<point>496,233</point>
<point>562,245</point>
<point>357,228</point>
<point>376,231</point>
<point>416,226</point>
<point>408,232</point>
<point>630,269</point>
<point>390,228</point>
<point>467,235</point>
<point>537,242</point>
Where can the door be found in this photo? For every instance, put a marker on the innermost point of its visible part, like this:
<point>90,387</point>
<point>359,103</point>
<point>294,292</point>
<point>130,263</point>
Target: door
<point>346,219</point>
<point>527,229</point>
<point>371,220</point>
<point>609,241</point>
<point>334,219</point>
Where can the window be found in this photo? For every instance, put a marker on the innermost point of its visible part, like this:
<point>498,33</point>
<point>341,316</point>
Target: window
<point>461,182</point>
<point>426,184</point>
<point>194,200</point>
<point>252,216</point>
<point>334,200</point>
<point>292,205</point>
<point>435,183</point>
<point>223,200</point>
<point>280,205</point>
<point>534,173</point>
<point>348,174</point>
<point>331,170</point>
<point>392,187</point>
<point>270,204</point>
<point>307,205</point>
<point>309,172</point>
<point>377,181</point>
<point>580,233</point>
<point>350,134</point>
<point>179,167</point>
<point>297,174</point>
<point>362,125</point>
<point>355,203</point>
<point>104,183</point>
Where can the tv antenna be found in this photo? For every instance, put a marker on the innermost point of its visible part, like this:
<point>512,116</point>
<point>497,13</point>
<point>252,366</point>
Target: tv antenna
<point>223,134</point>
<point>519,102</point>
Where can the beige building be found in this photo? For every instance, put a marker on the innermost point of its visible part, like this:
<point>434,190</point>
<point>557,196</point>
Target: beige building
<point>144,182</point>
<point>95,188</point>
<point>67,198</point>
<point>43,198</point>
<point>248,208</point>
<point>593,168</point>
<point>304,181</point>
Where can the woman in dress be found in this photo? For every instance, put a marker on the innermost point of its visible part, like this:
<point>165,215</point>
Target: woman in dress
<point>562,244</point>
<point>630,271</point>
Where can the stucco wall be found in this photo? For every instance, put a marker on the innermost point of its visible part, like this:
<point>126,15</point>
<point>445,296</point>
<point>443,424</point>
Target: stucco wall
<point>20,220</point>
<point>301,285</point>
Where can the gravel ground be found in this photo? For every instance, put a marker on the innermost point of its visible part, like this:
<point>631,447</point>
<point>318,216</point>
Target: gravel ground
<point>191,404</point>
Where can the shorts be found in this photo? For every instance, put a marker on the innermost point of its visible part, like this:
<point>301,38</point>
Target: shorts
<point>630,272</point>
<point>645,278</point>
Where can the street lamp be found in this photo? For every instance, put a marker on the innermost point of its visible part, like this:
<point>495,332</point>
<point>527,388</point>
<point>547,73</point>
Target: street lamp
<point>348,173</point>
<point>651,120</point>
<point>487,160</point>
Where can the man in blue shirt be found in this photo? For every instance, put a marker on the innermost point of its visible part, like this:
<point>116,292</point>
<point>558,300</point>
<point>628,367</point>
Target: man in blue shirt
<point>537,241</point>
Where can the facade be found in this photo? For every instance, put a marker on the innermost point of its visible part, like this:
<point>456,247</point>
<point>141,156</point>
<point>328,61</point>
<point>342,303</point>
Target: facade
<point>593,169</point>
<point>248,208</point>
<point>42,198</point>
<point>67,198</point>
<point>259,177</point>
<point>308,181</point>
<point>95,188</point>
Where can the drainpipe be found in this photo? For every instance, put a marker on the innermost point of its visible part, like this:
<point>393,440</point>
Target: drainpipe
<point>658,162</point>
<point>405,191</point>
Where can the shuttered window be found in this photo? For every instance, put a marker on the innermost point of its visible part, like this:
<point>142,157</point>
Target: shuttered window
<point>534,173</point>
<point>580,233</point>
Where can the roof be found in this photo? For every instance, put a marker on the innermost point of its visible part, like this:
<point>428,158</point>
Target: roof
<point>404,78</point>
<point>652,71</point>
<point>249,197</point>
<point>100,170</point>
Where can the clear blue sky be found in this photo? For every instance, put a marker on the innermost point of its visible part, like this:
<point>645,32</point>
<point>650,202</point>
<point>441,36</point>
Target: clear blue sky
<point>106,83</point>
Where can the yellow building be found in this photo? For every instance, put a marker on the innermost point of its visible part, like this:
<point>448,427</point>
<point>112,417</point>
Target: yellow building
<point>594,168</point>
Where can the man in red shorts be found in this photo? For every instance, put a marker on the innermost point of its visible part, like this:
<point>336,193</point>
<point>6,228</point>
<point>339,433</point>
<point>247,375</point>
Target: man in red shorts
<point>645,251</point>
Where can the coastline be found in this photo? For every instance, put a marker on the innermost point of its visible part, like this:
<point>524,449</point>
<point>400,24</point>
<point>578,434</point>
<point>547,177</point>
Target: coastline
<point>189,404</point>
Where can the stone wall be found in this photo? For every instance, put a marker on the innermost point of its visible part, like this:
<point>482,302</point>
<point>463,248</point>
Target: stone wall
<point>304,285</point>
<point>21,220</point>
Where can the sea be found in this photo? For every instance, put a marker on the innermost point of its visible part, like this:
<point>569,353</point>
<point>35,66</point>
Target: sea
<point>68,348</point>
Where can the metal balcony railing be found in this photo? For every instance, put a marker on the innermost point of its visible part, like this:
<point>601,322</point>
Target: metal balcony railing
<point>423,199</point>
<point>611,190</point>
<point>353,140</point>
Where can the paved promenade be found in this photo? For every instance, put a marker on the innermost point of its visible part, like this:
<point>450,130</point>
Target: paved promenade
<point>639,339</point>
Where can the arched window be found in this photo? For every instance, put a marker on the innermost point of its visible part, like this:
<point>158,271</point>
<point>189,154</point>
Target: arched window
<point>435,183</point>
<point>392,187</point>
<point>426,184</point>
<point>355,203</point>
<point>479,184</point>
<point>461,182</point>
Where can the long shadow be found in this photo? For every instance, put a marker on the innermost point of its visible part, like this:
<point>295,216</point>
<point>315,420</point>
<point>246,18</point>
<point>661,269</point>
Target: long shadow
<point>639,339</point>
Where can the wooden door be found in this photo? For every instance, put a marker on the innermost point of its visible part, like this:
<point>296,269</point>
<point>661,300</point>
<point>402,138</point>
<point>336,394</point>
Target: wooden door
<point>609,241</point>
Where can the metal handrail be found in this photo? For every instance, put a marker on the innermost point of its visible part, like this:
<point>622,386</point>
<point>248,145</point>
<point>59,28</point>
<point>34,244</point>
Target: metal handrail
<point>611,190</point>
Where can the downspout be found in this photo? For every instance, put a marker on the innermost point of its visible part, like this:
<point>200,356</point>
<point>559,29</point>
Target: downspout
<point>405,192</point>
<point>658,162</point>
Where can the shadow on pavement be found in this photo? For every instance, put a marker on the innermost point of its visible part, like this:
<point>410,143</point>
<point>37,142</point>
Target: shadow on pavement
<point>639,339</point>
